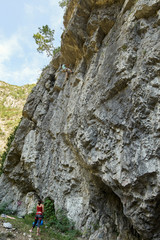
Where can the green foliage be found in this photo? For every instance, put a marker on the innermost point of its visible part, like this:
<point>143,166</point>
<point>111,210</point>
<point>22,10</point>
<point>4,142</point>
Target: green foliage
<point>49,211</point>
<point>9,142</point>
<point>96,226</point>
<point>63,3</point>
<point>4,208</point>
<point>8,112</point>
<point>44,39</point>
<point>58,220</point>
<point>47,233</point>
<point>63,223</point>
<point>56,50</point>
<point>17,92</point>
<point>11,104</point>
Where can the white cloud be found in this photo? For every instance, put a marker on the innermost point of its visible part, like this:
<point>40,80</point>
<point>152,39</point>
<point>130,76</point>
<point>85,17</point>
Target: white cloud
<point>29,73</point>
<point>56,22</point>
<point>53,3</point>
<point>19,61</point>
<point>33,8</point>
<point>9,47</point>
<point>41,9</point>
<point>26,73</point>
<point>56,18</point>
<point>29,9</point>
<point>17,65</point>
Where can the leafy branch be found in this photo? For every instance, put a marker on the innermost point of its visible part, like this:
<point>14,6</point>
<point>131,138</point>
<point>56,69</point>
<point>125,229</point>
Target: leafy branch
<point>63,3</point>
<point>44,39</point>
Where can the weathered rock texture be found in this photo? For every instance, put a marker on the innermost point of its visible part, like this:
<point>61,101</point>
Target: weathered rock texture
<point>91,143</point>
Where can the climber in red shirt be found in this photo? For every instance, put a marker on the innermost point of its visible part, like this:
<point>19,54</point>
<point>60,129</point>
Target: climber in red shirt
<point>38,217</point>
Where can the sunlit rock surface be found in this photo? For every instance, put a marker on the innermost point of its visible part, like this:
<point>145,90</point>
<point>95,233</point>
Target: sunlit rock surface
<point>91,143</point>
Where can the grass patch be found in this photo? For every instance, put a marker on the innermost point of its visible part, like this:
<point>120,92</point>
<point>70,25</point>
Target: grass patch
<point>17,92</point>
<point>56,226</point>
<point>9,112</point>
<point>1,133</point>
<point>5,209</point>
<point>47,233</point>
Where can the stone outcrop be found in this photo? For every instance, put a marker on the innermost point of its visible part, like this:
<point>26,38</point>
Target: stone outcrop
<point>91,143</point>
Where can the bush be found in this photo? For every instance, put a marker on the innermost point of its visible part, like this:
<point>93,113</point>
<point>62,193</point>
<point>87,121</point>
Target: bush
<point>49,212</point>
<point>63,223</point>
<point>58,219</point>
<point>4,208</point>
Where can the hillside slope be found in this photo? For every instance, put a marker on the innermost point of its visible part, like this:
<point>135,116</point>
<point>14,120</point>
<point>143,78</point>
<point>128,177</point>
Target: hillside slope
<point>12,99</point>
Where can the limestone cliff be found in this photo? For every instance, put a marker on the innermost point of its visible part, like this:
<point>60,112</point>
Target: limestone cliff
<point>91,143</point>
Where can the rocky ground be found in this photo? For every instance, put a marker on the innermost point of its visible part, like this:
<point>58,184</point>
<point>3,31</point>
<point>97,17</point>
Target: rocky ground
<point>8,234</point>
<point>20,231</point>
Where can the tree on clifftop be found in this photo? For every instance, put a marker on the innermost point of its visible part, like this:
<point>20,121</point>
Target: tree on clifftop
<point>44,39</point>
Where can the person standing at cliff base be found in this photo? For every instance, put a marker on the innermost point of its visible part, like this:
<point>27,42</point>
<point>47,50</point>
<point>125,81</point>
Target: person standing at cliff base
<point>38,217</point>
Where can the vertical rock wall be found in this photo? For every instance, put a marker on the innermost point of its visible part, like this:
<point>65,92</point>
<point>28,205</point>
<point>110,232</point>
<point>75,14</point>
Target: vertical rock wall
<point>91,143</point>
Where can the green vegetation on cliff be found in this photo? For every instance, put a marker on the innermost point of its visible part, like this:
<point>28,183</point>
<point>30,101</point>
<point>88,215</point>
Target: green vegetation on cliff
<point>63,3</point>
<point>12,100</point>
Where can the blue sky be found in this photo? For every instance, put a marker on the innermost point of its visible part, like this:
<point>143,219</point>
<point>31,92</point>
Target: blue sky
<point>20,63</point>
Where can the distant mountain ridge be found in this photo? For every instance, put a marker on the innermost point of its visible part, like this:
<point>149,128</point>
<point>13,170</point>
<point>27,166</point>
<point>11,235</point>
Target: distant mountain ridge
<point>12,100</point>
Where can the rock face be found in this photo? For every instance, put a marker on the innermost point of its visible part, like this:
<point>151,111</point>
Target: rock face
<point>91,143</point>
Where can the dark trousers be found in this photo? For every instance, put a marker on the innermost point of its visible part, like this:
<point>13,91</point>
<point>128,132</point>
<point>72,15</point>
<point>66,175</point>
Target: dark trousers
<point>37,221</point>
